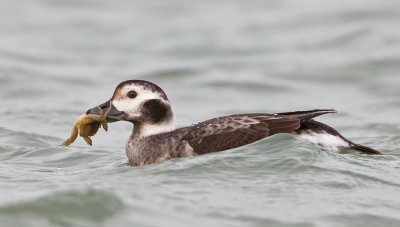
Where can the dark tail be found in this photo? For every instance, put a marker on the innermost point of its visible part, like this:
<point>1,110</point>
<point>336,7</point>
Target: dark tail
<point>363,149</point>
<point>314,129</point>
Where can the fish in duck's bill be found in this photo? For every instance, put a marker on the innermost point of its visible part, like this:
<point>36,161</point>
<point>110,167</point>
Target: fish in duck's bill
<point>154,138</point>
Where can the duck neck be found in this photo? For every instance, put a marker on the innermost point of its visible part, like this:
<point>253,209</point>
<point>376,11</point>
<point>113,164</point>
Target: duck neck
<point>144,129</point>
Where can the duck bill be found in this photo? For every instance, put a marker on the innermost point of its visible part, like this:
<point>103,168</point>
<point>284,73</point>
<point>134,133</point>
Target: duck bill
<point>113,114</point>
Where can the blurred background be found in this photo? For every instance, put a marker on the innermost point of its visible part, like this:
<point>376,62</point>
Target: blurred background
<point>59,58</point>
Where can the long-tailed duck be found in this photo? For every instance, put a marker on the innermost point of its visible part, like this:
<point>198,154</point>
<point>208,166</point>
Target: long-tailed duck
<point>154,138</point>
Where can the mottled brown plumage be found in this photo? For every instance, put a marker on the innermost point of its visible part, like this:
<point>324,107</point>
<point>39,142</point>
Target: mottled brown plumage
<point>214,135</point>
<point>236,130</point>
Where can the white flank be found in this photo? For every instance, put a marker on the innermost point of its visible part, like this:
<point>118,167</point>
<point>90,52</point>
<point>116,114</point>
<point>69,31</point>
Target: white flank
<point>324,140</point>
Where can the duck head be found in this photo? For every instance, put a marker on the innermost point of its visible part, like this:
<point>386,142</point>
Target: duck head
<point>142,103</point>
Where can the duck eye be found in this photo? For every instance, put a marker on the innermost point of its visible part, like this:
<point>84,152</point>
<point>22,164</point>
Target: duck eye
<point>132,94</point>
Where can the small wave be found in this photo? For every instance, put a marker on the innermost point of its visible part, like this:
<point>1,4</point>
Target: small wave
<point>64,208</point>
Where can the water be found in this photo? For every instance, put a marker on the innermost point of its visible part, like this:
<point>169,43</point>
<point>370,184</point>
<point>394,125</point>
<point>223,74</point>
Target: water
<point>212,58</point>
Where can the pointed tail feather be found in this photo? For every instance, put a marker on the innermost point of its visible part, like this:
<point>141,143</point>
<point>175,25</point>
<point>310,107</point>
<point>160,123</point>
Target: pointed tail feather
<point>363,149</point>
<point>309,114</point>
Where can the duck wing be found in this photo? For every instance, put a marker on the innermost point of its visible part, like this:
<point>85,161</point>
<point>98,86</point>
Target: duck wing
<point>237,130</point>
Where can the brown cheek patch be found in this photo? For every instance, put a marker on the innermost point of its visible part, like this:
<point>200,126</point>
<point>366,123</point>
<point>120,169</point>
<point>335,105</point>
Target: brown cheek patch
<point>156,111</point>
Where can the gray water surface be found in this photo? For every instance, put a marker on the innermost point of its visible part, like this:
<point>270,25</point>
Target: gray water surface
<point>212,58</point>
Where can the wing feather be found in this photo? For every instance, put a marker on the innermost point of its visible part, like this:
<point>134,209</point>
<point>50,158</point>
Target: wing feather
<point>236,130</point>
